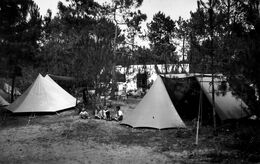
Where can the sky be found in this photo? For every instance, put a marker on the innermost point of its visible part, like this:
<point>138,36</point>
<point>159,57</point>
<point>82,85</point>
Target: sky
<point>172,8</point>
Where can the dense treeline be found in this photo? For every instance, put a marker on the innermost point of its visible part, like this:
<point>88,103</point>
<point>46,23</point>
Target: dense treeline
<point>86,40</point>
<point>224,38</point>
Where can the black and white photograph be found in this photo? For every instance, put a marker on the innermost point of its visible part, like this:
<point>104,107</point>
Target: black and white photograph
<point>129,81</point>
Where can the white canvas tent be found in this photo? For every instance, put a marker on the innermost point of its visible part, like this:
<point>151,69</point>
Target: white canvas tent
<point>59,88</point>
<point>227,105</point>
<point>44,95</point>
<point>155,110</point>
<point>3,102</point>
<point>4,94</point>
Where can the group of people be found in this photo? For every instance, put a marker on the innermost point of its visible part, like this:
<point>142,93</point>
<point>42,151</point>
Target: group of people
<point>106,113</point>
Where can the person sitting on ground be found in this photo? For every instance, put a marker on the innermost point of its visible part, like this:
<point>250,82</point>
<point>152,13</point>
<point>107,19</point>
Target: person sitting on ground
<point>96,114</point>
<point>107,113</point>
<point>103,111</point>
<point>100,114</point>
<point>84,114</point>
<point>119,114</point>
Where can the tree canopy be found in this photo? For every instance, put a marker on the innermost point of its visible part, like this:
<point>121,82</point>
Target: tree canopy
<point>87,40</point>
<point>20,32</point>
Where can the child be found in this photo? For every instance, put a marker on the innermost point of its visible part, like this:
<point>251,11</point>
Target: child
<point>84,114</point>
<point>119,114</point>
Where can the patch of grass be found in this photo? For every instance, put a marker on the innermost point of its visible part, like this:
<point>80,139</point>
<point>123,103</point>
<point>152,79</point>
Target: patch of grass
<point>218,157</point>
<point>101,131</point>
<point>246,139</point>
<point>232,146</point>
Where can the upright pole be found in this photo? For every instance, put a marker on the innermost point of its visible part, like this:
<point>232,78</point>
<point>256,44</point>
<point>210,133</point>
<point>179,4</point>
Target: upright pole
<point>199,115</point>
<point>213,102</point>
<point>12,89</point>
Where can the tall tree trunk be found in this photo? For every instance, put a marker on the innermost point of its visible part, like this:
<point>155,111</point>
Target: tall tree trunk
<point>211,12</point>
<point>183,52</point>
<point>114,58</point>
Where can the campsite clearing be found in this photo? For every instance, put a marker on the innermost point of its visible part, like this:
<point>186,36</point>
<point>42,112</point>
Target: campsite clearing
<point>65,138</point>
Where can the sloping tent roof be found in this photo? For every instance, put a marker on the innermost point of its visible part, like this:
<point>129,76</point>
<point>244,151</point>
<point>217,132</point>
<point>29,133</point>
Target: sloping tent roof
<point>4,94</point>
<point>62,78</point>
<point>66,82</point>
<point>183,92</point>
<point>3,102</point>
<point>44,95</point>
<point>155,110</point>
<point>227,105</point>
<point>57,86</point>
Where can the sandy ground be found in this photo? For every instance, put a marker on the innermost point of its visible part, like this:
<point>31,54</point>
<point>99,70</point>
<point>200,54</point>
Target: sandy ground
<point>65,138</point>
